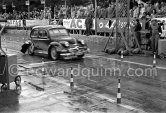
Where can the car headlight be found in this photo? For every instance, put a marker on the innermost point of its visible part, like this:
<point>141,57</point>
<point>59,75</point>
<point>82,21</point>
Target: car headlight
<point>28,42</point>
<point>82,42</point>
<point>67,44</point>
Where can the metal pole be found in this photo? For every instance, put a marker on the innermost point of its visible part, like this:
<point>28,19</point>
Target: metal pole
<point>1,35</point>
<point>95,17</point>
<point>65,10</point>
<point>28,10</point>
<point>128,20</point>
<point>44,9</point>
<point>117,21</point>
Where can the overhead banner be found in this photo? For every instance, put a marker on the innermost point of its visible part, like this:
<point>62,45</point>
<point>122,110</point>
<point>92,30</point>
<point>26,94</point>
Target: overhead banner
<point>76,24</point>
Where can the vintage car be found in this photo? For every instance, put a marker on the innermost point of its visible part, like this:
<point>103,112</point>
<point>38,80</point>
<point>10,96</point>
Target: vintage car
<point>55,41</point>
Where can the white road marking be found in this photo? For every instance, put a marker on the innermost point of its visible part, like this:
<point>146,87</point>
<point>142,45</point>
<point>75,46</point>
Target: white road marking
<point>131,108</point>
<point>126,61</point>
<point>42,63</point>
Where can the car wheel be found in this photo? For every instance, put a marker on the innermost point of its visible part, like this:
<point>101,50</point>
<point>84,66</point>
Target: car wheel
<point>31,50</point>
<point>53,53</point>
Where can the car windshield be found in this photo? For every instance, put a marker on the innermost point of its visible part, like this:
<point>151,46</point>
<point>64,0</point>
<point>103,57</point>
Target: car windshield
<point>58,32</point>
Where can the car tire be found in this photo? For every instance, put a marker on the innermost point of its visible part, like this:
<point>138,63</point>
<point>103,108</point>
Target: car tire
<point>31,50</point>
<point>53,53</point>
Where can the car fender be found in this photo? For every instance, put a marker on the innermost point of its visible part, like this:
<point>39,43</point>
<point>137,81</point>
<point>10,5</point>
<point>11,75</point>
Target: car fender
<point>56,44</point>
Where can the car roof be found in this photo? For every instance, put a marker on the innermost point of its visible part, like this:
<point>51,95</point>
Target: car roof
<point>49,27</point>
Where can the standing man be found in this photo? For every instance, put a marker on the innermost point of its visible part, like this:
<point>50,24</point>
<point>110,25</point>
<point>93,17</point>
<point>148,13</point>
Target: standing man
<point>137,29</point>
<point>110,11</point>
<point>155,30</point>
<point>136,11</point>
<point>88,24</point>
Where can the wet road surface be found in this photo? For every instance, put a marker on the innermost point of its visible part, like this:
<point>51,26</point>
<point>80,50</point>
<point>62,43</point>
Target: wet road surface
<point>140,87</point>
<point>56,96</point>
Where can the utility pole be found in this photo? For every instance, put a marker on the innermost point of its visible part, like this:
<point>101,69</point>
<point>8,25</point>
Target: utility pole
<point>4,7</point>
<point>13,6</point>
<point>44,3</point>
<point>95,17</point>
<point>65,10</point>
<point>28,4</point>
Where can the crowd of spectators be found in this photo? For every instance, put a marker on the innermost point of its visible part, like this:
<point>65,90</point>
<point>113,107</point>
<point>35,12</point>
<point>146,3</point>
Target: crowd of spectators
<point>105,10</point>
<point>148,9</point>
<point>76,12</point>
<point>108,10</point>
<point>35,14</point>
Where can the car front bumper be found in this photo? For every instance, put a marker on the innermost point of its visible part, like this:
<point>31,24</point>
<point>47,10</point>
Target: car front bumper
<point>71,55</point>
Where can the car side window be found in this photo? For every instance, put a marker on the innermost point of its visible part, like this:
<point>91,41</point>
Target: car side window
<point>42,34</point>
<point>34,33</point>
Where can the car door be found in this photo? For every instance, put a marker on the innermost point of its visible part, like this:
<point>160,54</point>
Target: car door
<point>43,40</point>
<point>34,37</point>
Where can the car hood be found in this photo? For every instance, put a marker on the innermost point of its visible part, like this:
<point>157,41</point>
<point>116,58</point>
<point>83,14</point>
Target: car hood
<point>68,39</point>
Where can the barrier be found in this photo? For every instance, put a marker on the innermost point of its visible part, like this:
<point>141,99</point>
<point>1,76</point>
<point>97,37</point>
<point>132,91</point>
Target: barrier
<point>31,23</point>
<point>77,26</point>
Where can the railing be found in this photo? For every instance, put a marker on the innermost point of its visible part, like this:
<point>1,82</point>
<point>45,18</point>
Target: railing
<point>75,26</point>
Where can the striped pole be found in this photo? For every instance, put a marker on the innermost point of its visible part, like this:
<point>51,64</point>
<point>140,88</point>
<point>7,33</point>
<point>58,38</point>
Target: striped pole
<point>71,79</point>
<point>154,60</point>
<point>43,73</point>
<point>118,94</point>
<point>121,56</point>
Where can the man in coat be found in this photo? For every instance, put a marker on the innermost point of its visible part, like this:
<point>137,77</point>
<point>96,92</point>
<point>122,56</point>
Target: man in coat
<point>155,30</point>
<point>88,24</point>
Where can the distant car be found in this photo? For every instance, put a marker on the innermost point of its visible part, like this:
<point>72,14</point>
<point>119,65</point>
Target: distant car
<point>55,41</point>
